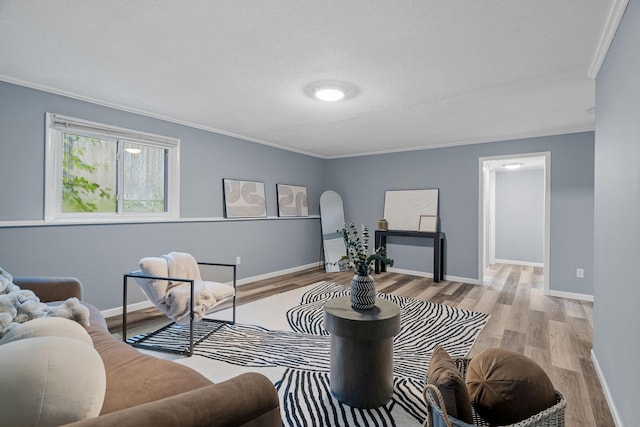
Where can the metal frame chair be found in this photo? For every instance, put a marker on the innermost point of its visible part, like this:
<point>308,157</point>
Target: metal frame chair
<point>140,342</point>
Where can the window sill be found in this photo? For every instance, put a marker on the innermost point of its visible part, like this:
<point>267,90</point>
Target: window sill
<point>122,221</point>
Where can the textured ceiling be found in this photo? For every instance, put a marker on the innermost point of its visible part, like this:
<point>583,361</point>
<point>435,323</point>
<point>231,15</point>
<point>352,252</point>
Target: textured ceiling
<point>422,73</point>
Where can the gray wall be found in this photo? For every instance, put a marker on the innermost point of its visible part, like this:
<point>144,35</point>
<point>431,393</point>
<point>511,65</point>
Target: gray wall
<point>454,170</point>
<point>100,254</point>
<point>520,215</point>
<point>617,217</point>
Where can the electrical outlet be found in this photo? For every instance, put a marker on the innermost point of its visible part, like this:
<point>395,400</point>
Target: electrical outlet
<point>580,272</point>
<point>238,260</point>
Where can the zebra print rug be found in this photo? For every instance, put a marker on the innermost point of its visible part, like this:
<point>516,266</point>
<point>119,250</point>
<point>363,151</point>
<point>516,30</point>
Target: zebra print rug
<point>300,357</point>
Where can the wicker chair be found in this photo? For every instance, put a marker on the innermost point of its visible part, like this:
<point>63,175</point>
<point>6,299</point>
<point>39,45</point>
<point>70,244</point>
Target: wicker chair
<point>437,413</point>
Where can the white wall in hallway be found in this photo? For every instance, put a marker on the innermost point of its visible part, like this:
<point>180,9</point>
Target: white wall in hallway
<point>519,216</point>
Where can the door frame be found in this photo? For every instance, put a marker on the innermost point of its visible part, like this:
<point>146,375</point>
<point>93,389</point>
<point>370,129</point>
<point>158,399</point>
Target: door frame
<point>486,211</point>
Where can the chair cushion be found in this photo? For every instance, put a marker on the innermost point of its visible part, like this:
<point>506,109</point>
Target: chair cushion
<point>182,265</point>
<point>206,296</point>
<point>174,297</point>
<point>50,381</point>
<point>508,387</point>
<point>220,291</point>
<point>444,374</point>
<point>155,289</point>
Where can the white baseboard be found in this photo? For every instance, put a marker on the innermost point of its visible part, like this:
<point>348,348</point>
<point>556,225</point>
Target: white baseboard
<point>117,311</point>
<point>430,275</point>
<point>278,273</point>
<point>523,263</point>
<point>571,295</point>
<point>607,393</point>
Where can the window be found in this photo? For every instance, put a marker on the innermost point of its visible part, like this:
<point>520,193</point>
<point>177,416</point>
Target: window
<point>97,172</point>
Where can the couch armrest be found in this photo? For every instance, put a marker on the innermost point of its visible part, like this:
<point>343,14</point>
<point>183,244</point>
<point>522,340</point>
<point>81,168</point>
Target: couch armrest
<point>249,399</point>
<point>51,288</point>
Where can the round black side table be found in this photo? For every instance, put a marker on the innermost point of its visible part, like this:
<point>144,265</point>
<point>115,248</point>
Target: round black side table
<point>361,372</point>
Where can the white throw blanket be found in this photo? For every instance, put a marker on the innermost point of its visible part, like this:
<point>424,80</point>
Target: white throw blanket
<point>173,297</point>
<point>21,305</point>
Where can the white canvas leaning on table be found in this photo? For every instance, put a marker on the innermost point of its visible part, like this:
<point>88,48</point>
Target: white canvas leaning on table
<point>404,209</point>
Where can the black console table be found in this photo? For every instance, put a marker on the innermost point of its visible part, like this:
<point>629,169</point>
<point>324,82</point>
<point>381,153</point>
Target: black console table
<point>438,242</point>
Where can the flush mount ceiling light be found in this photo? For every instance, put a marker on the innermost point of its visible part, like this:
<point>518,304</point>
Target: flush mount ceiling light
<point>329,93</point>
<point>330,90</point>
<point>133,150</point>
<point>512,166</point>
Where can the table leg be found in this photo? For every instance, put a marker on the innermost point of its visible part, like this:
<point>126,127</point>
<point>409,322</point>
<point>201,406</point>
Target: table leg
<point>381,241</point>
<point>437,259</point>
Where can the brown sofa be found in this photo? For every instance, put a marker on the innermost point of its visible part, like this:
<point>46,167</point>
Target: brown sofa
<point>146,391</point>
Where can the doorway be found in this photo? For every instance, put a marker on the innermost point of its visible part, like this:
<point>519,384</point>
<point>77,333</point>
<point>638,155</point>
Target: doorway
<point>493,169</point>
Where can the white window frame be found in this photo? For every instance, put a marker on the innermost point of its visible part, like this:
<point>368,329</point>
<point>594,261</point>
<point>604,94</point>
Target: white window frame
<point>56,124</point>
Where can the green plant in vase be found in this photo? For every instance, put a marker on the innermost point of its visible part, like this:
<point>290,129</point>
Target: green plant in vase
<point>363,293</point>
<point>358,249</point>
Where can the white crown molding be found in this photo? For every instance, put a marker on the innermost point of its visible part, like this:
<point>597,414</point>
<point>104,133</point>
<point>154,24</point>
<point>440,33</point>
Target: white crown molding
<point>149,114</point>
<point>608,32</point>
<point>508,137</point>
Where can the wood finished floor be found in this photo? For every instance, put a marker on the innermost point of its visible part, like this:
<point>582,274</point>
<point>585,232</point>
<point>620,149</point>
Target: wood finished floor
<point>555,332</point>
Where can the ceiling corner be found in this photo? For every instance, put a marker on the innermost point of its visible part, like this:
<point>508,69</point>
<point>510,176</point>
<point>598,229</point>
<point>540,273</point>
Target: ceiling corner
<point>608,32</point>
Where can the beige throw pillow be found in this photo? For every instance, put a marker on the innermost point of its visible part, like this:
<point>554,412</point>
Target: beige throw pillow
<point>47,326</point>
<point>50,380</point>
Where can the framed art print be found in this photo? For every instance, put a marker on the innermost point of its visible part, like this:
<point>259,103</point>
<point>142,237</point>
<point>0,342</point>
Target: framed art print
<point>428,223</point>
<point>292,200</point>
<point>244,199</point>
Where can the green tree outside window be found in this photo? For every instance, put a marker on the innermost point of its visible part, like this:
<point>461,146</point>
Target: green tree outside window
<point>88,174</point>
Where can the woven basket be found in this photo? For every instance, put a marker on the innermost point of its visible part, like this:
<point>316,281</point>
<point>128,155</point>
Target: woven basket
<point>437,413</point>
